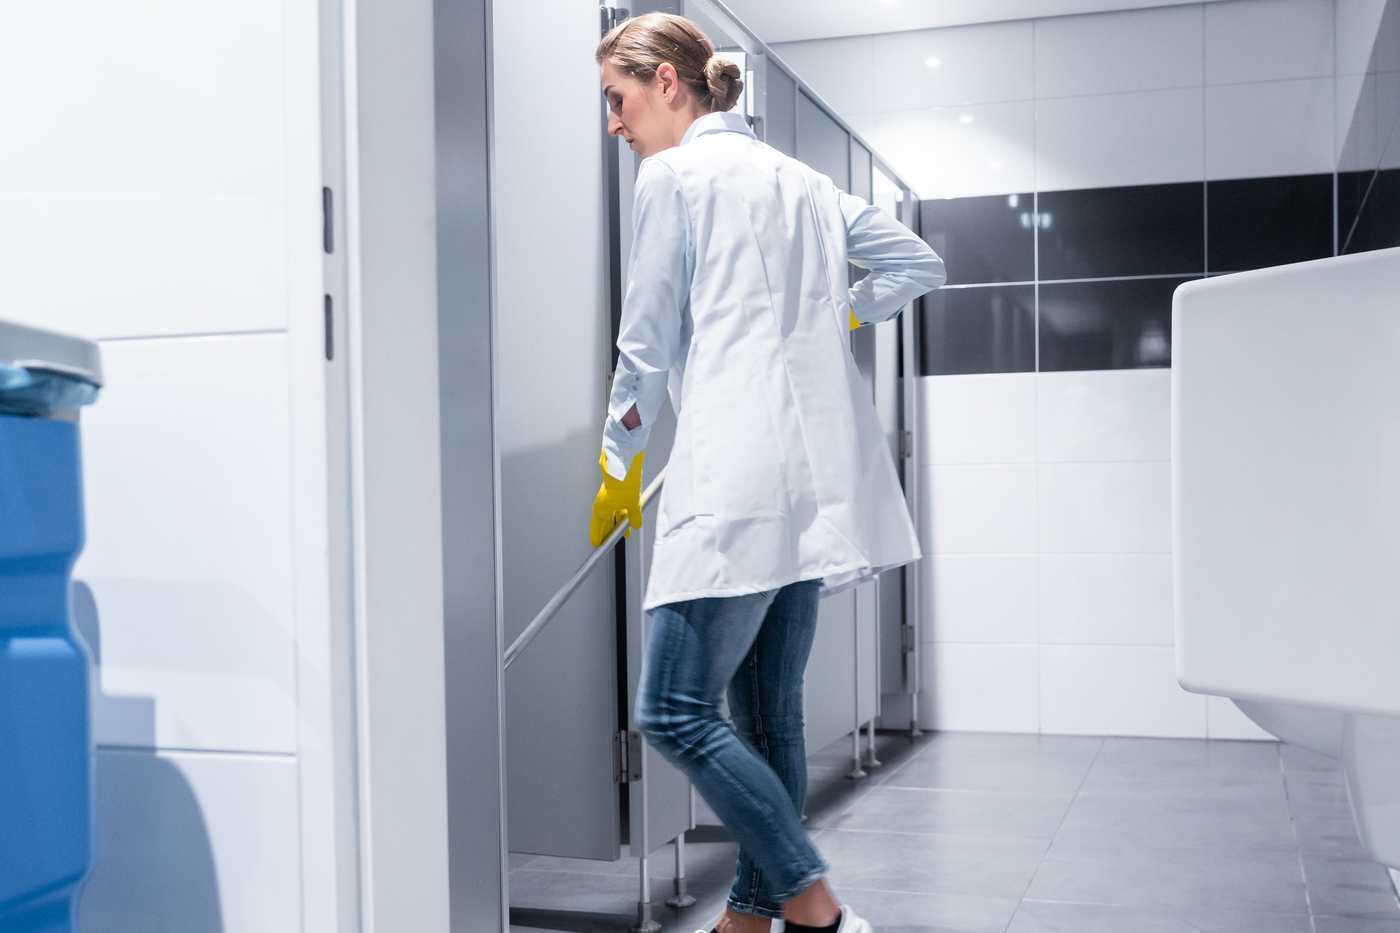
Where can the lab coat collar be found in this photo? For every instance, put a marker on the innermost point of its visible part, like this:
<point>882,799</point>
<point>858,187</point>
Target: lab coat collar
<point>719,121</point>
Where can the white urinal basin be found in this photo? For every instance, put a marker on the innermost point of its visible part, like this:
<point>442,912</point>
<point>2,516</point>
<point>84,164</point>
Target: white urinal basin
<point>1286,511</point>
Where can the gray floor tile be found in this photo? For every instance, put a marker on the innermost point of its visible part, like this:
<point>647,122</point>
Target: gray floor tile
<point>1264,882</point>
<point>1320,789</point>
<point>1354,887</point>
<point>1355,925</point>
<point>1154,759</point>
<point>1053,917</point>
<point>1300,759</point>
<point>926,864</point>
<point>1327,831</point>
<point>988,761</point>
<point>579,892</point>
<point>896,912</point>
<point>1222,783</point>
<point>956,812</point>
<point>1106,824</point>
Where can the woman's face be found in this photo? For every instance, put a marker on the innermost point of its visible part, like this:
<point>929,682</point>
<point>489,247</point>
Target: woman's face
<point>644,114</point>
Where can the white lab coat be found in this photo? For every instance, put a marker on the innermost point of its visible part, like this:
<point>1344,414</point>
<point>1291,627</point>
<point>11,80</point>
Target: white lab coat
<point>737,298</point>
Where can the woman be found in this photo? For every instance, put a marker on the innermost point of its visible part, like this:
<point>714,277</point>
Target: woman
<point>738,300</point>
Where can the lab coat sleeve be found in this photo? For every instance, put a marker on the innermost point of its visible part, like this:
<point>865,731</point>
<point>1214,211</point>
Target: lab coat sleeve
<point>902,266</point>
<point>658,290</point>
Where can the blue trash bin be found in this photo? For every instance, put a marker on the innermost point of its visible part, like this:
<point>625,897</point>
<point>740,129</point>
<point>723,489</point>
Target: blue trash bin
<point>46,752</point>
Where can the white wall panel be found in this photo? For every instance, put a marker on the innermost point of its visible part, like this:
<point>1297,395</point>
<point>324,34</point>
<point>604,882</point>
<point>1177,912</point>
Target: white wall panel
<point>1144,138</point>
<point>1104,415</point>
<point>985,418</point>
<point>1140,50</point>
<point>949,152</point>
<point>987,599</point>
<point>187,475</point>
<point>190,843</point>
<point>1265,40</point>
<point>1274,128</point>
<point>842,71</point>
<point>950,66</point>
<point>1105,507</point>
<point>144,177</point>
<point>979,688</point>
<point>1096,690</point>
<point>1108,599</point>
<point>979,510</point>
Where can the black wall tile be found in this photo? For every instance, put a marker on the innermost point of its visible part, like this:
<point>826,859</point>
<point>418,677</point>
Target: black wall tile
<point>1377,217</point>
<point>978,330</point>
<point>1106,325</point>
<point>985,239</point>
<point>1138,230</point>
<point>1258,222</point>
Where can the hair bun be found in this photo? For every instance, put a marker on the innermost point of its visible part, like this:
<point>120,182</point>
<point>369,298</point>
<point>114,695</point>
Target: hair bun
<point>723,78</point>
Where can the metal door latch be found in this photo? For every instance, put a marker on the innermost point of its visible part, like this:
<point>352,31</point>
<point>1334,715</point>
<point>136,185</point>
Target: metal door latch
<point>611,16</point>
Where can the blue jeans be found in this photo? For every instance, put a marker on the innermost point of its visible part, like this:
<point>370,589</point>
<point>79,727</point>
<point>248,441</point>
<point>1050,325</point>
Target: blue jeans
<point>757,647</point>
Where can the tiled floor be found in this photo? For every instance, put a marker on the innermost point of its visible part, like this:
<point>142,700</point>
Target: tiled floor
<point>981,833</point>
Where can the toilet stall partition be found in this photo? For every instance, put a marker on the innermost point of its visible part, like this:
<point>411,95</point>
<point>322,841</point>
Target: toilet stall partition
<point>863,651</point>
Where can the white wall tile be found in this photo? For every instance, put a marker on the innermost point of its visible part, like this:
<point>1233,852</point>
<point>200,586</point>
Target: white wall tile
<point>1388,103</point>
<point>1356,118</point>
<point>1264,40</point>
<point>186,469</point>
<point>984,418</point>
<point>1357,26</point>
<point>977,64</point>
<point>1105,507</point>
<point>1116,691</point>
<point>1274,128</point>
<point>1108,599</point>
<point>983,599</point>
<point>1149,137</point>
<point>978,510</point>
<point>1225,721</point>
<point>194,842</point>
<point>949,152</point>
<point>1104,415</point>
<point>841,70</point>
<point>979,688</point>
<point>1102,53</point>
<point>158,204</point>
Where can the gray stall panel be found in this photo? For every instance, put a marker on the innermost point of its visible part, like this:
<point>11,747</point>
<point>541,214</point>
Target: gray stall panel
<point>780,115</point>
<point>822,143</point>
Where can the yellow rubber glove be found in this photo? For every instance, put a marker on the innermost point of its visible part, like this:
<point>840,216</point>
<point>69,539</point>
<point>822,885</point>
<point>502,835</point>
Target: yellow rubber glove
<point>855,322</point>
<point>617,500</point>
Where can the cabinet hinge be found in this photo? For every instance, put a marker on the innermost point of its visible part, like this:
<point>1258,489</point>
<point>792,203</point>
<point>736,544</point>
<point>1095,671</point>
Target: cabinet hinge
<point>627,757</point>
<point>906,444</point>
<point>611,16</point>
<point>906,639</point>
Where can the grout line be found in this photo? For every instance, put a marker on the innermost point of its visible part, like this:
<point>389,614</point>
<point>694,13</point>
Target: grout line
<point>211,752</point>
<point>255,332</point>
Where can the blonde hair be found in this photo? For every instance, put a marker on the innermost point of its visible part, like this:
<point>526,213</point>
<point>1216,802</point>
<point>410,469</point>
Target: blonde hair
<point>638,46</point>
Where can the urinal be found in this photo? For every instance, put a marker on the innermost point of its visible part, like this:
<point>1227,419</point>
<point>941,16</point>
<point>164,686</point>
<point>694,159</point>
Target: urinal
<point>1286,512</point>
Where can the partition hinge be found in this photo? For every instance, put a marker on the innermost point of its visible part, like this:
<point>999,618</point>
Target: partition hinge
<point>611,16</point>
<point>627,756</point>
<point>906,639</point>
<point>906,444</point>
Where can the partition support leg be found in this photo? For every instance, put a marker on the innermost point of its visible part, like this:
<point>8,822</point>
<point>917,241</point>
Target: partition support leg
<point>646,923</point>
<point>870,760</point>
<point>682,897</point>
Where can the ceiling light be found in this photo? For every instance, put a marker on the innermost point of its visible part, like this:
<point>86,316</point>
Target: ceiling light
<point>964,118</point>
<point>933,61</point>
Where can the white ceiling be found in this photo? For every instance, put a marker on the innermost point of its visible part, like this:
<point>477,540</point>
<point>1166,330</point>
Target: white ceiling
<point>792,20</point>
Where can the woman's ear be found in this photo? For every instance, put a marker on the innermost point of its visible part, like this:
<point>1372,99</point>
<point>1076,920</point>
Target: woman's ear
<point>666,81</point>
